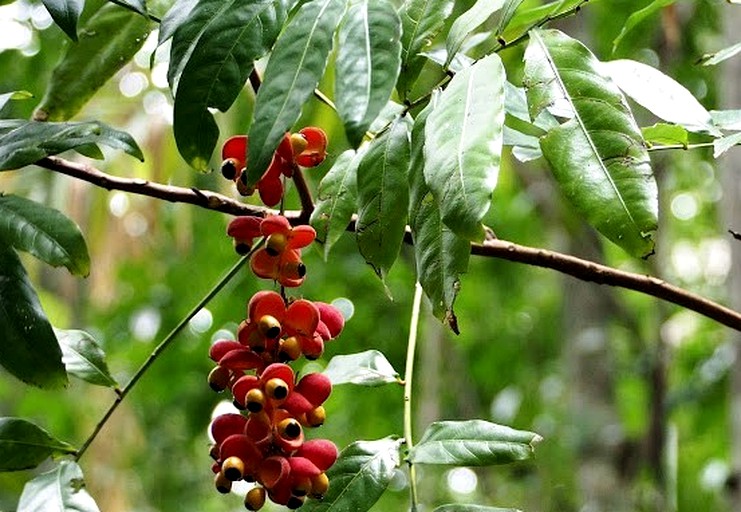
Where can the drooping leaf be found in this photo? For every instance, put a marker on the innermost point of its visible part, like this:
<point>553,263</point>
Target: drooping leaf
<point>25,445</point>
<point>83,358</point>
<point>65,14</point>
<point>472,443</point>
<point>598,155</point>
<point>441,255</point>
<point>44,232</point>
<point>295,67</point>
<point>369,368</point>
<point>109,40</point>
<point>421,21</point>
<point>723,144</point>
<point>383,196</point>
<point>459,507</point>
<point>367,64</point>
<point>13,95</point>
<point>212,55</point>
<point>29,349</point>
<point>359,477</point>
<point>665,134</point>
<point>463,144</point>
<point>660,94</point>
<point>336,200</point>
<point>468,22</point>
<point>508,12</point>
<point>727,119</point>
<point>31,141</point>
<point>177,15</point>
<point>637,17</point>
<point>711,59</point>
<point>60,490</point>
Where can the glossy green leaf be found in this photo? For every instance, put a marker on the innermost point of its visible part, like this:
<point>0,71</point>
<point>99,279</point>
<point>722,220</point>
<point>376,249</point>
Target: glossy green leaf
<point>359,477</point>
<point>383,196</point>
<point>295,67</point>
<point>60,490</point>
<point>460,507</point>
<point>29,349</point>
<point>369,368</point>
<point>83,358</point>
<point>65,14</point>
<point>440,254</point>
<point>367,64</point>
<point>109,40</point>
<point>598,155</point>
<point>44,232</point>
<point>14,95</point>
<point>472,443</point>
<point>177,15</point>
<point>539,14</point>
<point>336,200</point>
<point>723,144</point>
<point>25,445</point>
<point>660,94</point>
<point>463,144</point>
<point>639,16</point>
<point>421,21</point>
<point>137,5</point>
<point>508,13</point>
<point>468,22</point>
<point>711,59</point>
<point>727,119</point>
<point>31,141</point>
<point>665,134</point>
<point>212,56</point>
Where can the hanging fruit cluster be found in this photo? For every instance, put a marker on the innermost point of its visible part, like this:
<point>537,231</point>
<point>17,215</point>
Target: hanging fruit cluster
<point>265,442</point>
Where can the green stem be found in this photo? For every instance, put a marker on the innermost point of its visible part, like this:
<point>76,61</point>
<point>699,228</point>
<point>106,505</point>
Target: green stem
<point>161,348</point>
<point>408,374</point>
<point>130,8</point>
<point>698,145</point>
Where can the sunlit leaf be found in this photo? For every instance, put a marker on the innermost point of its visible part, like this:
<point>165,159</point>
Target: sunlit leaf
<point>637,17</point>
<point>383,196</point>
<point>14,95</point>
<point>44,232</point>
<point>29,349</point>
<point>598,155</point>
<point>83,358</point>
<point>108,41</point>
<point>723,144</point>
<point>336,200</point>
<point>468,22</point>
<point>539,14</point>
<point>727,119</point>
<point>65,14</point>
<point>659,93</point>
<point>25,445</point>
<point>31,141</point>
<point>212,55</point>
<point>60,490</point>
<point>473,443</point>
<point>369,368</point>
<point>177,15</point>
<point>137,5</point>
<point>508,12</point>
<point>359,477</point>
<point>711,59</point>
<point>463,144</point>
<point>665,134</point>
<point>367,64</point>
<point>421,21</point>
<point>295,67</point>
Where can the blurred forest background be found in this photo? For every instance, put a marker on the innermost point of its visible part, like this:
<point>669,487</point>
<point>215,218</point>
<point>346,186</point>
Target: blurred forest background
<point>634,397</point>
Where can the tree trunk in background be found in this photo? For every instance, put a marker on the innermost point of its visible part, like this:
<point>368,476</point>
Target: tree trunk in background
<point>731,167</point>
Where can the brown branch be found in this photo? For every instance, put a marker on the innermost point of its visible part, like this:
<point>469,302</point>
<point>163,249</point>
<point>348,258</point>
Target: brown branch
<point>579,268</point>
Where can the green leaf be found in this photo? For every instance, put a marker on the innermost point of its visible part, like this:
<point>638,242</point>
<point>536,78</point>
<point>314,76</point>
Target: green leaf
<point>65,13</point>
<point>440,254</point>
<point>109,40</point>
<point>336,200</point>
<point>83,358</point>
<point>711,59</point>
<point>665,134</point>
<point>637,17</point>
<point>467,22</point>
<point>472,443</point>
<point>369,368</point>
<point>660,94</point>
<point>508,12</point>
<point>723,144</point>
<point>177,15</point>
<point>29,349</point>
<point>44,232</point>
<point>597,156</point>
<point>383,196</point>
<point>727,119</point>
<point>212,56</point>
<point>137,5</point>
<point>25,445</point>
<point>367,64</point>
<point>61,490</point>
<point>459,507</point>
<point>359,477</point>
<point>421,21</point>
<point>463,144</point>
<point>295,67</point>
<point>31,141</point>
<point>14,95</point>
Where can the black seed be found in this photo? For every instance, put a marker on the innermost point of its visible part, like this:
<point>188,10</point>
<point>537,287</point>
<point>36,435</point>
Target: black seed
<point>301,270</point>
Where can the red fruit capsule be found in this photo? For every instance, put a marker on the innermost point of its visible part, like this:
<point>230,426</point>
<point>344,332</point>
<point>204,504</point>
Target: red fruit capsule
<point>235,148</point>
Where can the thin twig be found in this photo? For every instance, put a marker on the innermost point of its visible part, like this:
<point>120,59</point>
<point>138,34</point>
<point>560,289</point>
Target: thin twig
<point>408,378</point>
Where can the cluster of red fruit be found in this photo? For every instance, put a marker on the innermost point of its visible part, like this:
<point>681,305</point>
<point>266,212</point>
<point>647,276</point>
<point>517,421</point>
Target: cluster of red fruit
<point>264,443</point>
<point>307,148</point>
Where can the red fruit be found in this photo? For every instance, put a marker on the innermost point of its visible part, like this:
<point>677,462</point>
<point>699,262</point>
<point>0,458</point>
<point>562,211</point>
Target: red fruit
<point>266,303</point>
<point>235,147</point>
<point>242,447</point>
<point>273,470</point>
<point>278,371</point>
<point>316,147</point>
<point>301,467</point>
<point>242,386</point>
<point>226,425</point>
<point>321,452</point>
<point>244,230</point>
<point>241,359</point>
<point>271,190</point>
<point>302,317</point>
<point>316,387</point>
<point>331,317</point>
<point>221,347</point>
